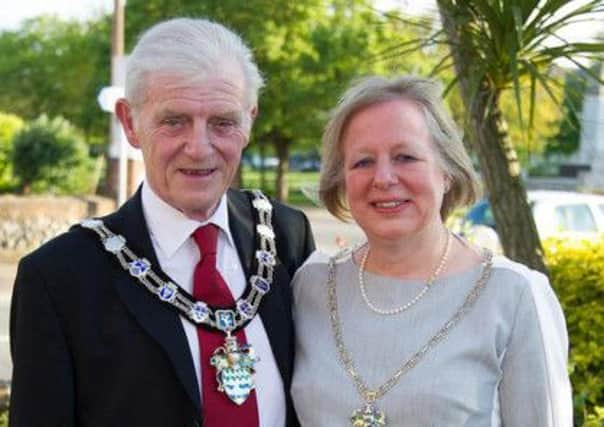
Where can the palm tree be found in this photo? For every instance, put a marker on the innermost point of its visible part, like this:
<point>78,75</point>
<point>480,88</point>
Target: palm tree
<point>501,45</point>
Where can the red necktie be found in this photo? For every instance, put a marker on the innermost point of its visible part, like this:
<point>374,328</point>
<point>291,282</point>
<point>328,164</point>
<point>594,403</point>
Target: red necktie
<point>209,286</point>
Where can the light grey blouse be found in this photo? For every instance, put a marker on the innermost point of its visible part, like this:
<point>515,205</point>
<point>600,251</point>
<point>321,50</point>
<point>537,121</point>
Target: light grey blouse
<point>503,364</point>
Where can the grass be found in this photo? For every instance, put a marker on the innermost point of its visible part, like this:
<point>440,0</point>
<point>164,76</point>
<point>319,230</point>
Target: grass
<point>297,182</point>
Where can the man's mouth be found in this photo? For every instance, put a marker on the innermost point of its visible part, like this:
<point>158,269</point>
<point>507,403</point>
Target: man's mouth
<point>198,172</point>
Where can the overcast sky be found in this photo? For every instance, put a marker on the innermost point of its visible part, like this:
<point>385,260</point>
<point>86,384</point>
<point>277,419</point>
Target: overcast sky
<point>12,12</point>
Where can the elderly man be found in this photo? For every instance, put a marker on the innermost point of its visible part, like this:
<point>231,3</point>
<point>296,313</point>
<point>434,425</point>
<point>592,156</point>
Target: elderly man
<point>174,310</point>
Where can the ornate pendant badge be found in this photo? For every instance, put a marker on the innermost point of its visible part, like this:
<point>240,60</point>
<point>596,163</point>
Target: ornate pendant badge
<point>369,416</point>
<point>234,364</point>
<point>234,369</point>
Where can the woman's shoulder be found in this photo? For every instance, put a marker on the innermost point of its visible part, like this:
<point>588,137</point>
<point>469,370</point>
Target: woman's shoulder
<point>515,272</point>
<point>511,277</point>
<point>316,266</point>
<point>316,262</point>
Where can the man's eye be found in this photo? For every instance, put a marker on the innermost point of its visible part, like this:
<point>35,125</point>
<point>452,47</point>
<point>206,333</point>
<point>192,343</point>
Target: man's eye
<point>224,126</point>
<point>225,123</point>
<point>172,121</point>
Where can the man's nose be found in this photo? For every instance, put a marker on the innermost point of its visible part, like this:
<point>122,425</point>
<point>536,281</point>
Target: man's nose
<point>200,140</point>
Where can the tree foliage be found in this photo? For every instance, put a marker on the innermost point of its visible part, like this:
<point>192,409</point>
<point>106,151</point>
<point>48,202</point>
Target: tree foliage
<point>577,275</point>
<point>496,47</point>
<point>10,125</point>
<point>531,143</point>
<point>566,139</point>
<point>55,67</point>
<point>308,52</point>
<point>50,155</point>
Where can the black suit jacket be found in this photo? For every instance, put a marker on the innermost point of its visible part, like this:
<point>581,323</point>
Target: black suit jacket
<point>92,347</point>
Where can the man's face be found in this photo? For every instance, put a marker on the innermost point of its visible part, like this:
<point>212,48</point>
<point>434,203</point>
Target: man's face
<point>191,136</point>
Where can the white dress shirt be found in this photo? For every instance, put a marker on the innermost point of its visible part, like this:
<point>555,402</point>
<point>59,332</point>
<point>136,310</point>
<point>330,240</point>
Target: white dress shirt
<point>171,234</point>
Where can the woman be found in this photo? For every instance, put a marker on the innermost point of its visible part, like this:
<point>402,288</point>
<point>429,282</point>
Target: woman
<point>417,327</point>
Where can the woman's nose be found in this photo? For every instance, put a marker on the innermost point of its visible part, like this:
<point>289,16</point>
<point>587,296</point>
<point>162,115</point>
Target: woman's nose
<point>385,175</point>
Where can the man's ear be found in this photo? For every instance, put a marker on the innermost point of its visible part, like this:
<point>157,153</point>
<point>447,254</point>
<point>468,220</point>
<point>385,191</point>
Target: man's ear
<point>254,112</point>
<point>123,111</point>
<point>253,115</point>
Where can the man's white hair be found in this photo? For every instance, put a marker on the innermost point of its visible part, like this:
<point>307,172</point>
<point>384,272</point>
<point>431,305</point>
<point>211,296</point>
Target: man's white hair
<point>193,49</point>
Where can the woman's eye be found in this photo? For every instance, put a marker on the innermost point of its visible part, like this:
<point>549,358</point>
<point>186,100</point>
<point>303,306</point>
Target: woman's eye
<point>361,163</point>
<point>405,158</point>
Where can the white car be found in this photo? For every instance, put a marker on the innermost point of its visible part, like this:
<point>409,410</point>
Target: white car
<point>557,214</point>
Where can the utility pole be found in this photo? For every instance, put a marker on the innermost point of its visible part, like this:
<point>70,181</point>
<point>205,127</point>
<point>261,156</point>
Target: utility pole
<point>124,169</point>
<point>117,169</point>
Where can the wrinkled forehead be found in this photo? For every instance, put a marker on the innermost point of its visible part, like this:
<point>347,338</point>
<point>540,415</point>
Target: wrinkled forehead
<point>227,77</point>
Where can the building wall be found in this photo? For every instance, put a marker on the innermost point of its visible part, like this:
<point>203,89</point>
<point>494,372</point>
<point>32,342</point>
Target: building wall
<point>591,151</point>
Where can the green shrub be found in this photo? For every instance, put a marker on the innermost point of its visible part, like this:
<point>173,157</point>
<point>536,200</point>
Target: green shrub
<point>51,156</point>
<point>577,275</point>
<point>9,126</point>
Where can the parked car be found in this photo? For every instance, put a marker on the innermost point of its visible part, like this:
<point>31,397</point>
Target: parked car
<point>304,163</point>
<point>557,214</point>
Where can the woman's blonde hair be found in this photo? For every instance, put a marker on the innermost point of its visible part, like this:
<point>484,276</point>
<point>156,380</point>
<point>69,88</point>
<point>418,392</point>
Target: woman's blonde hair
<point>427,94</point>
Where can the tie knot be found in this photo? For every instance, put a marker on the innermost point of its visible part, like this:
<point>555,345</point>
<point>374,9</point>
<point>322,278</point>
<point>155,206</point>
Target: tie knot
<point>206,237</point>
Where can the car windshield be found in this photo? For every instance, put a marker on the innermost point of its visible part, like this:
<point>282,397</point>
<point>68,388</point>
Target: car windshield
<point>481,214</point>
<point>577,218</point>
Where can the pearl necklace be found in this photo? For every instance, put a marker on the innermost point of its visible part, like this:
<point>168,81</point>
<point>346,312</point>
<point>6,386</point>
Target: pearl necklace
<point>369,415</point>
<point>416,298</point>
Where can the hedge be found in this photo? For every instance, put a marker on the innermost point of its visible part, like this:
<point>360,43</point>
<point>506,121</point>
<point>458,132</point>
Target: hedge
<point>577,275</point>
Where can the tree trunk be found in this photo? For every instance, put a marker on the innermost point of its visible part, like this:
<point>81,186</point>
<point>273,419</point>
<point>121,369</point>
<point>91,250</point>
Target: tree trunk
<point>498,161</point>
<point>282,150</point>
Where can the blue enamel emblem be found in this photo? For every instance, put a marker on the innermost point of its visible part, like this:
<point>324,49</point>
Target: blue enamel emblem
<point>260,284</point>
<point>245,308</point>
<point>199,312</point>
<point>225,320</point>
<point>167,292</point>
<point>139,267</point>
<point>266,258</point>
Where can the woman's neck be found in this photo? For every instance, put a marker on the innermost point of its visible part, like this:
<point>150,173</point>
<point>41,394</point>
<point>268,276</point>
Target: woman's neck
<point>413,257</point>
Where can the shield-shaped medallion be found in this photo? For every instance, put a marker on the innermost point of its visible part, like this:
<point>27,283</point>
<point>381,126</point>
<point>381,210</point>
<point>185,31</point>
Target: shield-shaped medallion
<point>237,383</point>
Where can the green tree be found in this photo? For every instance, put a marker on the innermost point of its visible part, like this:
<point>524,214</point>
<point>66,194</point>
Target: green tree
<point>50,155</point>
<point>548,116</point>
<point>566,139</point>
<point>56,67</point>
<point>311,63</point>
<point>308,52</point>
<point>10,125</point>
<point>495,45</point>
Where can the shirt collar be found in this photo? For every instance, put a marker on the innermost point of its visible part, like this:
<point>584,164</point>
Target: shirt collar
<point>170,228</point>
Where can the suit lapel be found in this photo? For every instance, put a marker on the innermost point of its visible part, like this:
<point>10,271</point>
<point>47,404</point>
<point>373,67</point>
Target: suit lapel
<point>273,306</point>
<point>157,318</point>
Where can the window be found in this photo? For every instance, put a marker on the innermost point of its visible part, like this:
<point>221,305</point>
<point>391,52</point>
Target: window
<point>577,218</point>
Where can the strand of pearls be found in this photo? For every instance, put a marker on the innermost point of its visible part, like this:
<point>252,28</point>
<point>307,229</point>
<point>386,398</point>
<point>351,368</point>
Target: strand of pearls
<point>412,302</point>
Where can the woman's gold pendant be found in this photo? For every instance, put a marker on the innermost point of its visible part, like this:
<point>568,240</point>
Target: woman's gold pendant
<point>369,416</point>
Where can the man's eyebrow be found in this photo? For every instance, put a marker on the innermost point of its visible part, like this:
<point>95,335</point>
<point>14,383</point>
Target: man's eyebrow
<point>168,112</point>
<point>229,113</point>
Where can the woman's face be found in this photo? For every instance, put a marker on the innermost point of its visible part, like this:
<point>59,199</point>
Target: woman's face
<point>393,180</point>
